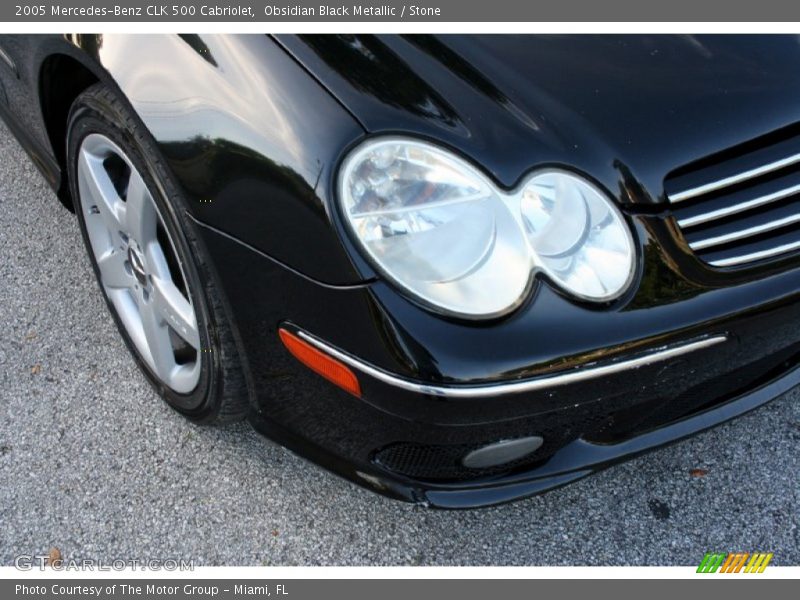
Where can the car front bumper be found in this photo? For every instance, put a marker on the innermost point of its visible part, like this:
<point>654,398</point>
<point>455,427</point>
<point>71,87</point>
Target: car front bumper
<point>407,435</point>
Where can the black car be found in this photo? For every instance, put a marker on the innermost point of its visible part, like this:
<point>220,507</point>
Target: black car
<point>456,270</point>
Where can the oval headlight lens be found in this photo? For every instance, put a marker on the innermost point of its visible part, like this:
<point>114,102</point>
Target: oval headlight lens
<point>437,227</point>
<point>578,236</point>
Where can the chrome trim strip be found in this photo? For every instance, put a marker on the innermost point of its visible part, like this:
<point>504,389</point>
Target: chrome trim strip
<point>744,233</point>
<point>734,179</point>
<point>745,258</point>
<point>737,208</point>
<point>514,387</point>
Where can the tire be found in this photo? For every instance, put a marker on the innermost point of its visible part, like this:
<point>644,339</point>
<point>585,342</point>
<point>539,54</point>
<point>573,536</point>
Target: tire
<point>156,277</point>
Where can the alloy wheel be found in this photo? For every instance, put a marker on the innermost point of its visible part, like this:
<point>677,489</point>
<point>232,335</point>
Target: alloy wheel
<point>139,269</point>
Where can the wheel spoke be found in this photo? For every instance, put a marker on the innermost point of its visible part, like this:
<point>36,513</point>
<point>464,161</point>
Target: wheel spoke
<point>185,376</point>
<point>158,343</point>
<point>100,189</point>
<point>176,310</point>
<point>112,269</point>
<point>141,216</point>
<point>157,262</point>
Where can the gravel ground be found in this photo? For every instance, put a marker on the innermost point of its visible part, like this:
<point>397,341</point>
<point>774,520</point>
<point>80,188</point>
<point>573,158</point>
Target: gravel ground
<point>94,464</point>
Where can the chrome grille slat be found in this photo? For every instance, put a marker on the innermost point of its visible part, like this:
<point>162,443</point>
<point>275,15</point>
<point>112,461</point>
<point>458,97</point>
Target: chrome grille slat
<point>754,256</point>
<point>734,179</point>
<point>738,208</point>
<point>742,234</point>
<point>753,215</point>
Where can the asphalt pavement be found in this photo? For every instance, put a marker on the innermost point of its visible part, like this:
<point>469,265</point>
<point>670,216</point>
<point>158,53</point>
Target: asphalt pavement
<point>94,464</point>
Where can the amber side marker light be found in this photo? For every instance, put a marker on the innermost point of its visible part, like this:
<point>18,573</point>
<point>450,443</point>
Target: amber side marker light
<point>322,364</point>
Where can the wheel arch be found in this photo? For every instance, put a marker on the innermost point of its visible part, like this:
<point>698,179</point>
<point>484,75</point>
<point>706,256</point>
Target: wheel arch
<point>62,78</point>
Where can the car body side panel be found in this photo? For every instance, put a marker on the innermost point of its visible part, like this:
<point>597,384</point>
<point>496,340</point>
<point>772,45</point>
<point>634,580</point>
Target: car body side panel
<point>247,132</point>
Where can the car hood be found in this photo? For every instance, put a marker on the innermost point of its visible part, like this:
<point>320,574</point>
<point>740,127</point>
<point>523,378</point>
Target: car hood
<point>627,110</point>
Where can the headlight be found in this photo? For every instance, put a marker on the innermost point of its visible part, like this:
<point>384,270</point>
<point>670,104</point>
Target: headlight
<point>577,235</point>
<point>438,228</point>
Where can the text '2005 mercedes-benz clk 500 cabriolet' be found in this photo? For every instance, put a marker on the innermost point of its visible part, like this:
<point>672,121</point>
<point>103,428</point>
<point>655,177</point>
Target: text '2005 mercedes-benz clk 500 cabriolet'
<point>456,270</point>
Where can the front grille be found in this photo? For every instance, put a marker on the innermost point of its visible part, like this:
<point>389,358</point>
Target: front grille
<point>743,207</point>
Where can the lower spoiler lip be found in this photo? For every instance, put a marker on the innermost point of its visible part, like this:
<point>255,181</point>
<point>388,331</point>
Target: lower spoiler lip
<point>575,375</point>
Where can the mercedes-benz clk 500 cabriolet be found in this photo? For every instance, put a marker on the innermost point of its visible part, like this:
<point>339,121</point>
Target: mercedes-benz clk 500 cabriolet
<point>455,270</point>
